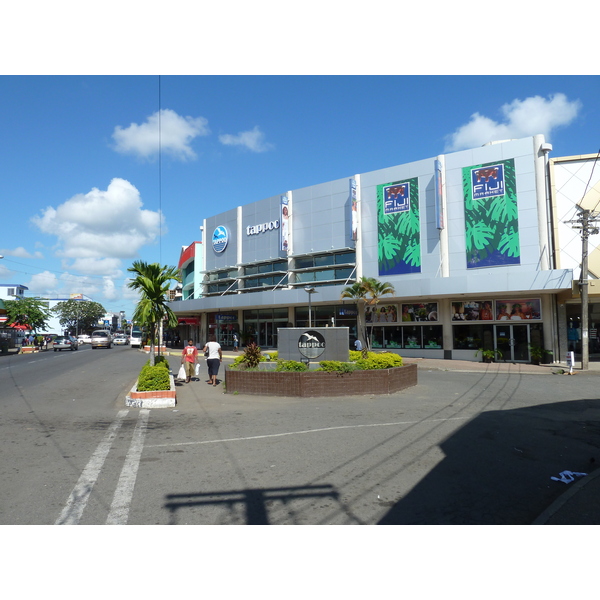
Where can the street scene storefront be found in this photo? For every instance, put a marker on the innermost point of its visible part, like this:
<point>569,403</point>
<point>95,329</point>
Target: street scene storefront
<point>467,240</point>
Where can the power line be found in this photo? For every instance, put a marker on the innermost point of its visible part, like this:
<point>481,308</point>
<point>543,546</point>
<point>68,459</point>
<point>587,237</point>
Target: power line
<point>159,173</point>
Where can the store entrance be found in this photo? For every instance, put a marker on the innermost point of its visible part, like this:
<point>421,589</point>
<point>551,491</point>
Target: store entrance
<point>513,342</point>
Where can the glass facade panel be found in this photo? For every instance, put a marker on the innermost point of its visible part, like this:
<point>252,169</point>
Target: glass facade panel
<point>304,263</point>
<point>324,261</point>
<point>346,257</point>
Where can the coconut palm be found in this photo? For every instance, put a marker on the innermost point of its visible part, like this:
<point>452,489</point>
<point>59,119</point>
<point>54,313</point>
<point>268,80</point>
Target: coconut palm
<point>375,290</point>
<point>366,291</point>
<point>152,281</point>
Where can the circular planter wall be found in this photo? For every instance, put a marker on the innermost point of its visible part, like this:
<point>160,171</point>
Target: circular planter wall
<point>310,384</point>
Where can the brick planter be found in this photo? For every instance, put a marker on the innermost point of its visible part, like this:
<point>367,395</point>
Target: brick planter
<point>154,399</point>
<point>311,384</point>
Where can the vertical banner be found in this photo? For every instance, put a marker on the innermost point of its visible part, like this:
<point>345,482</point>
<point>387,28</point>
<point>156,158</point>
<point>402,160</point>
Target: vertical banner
<point>491,215</point>
<point>398,227</point>
<point>354,211</point>
<point>284,230</point>
<point>439,205</point>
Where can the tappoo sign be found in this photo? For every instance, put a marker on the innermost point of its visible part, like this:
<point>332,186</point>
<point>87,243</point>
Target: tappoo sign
<point>396,198</point>
<point>487,182</point>
<point>220,238</point>
<point>311,344</point>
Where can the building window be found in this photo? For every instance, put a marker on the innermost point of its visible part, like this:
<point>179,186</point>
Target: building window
<point>313,269</point>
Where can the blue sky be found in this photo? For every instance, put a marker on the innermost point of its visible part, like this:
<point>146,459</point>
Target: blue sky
<point>83,186</point>
<point>250,107</point>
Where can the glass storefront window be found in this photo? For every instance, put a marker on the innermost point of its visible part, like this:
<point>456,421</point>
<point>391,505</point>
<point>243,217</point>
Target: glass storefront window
<point>471,337</point>
<point>376,337</point>
<point>432,336</point>
<point>393,337</point>
<point>412,336</point>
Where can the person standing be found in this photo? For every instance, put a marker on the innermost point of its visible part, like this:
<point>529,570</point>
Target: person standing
<point>213,359</point>
<point>236,342</point>
<point>189,355</point>
<point>358,345</point>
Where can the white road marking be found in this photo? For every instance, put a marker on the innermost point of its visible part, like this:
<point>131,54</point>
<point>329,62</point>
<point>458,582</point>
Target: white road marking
<point>273,435</point>
<point>119,510</point>
<point>71,514</point>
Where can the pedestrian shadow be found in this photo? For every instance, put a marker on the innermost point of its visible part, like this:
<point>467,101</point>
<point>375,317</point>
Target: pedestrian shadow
<point>252,503</point>
<point>497,468</point>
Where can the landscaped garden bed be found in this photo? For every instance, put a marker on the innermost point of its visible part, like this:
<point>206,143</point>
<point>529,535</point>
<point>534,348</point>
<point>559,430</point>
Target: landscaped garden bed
<point>374,375</point>
<point>155,387</point>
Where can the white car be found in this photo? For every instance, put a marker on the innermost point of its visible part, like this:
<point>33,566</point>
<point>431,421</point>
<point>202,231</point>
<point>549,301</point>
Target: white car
<point>84,339</point>
<point>135,339</point>
<point>121,340</point>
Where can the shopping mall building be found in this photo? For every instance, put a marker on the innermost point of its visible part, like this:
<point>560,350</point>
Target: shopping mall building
<point>479,246</point>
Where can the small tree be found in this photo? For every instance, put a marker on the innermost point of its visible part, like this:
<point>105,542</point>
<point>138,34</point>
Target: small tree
<point>31,312</point>
<point>367,290</point>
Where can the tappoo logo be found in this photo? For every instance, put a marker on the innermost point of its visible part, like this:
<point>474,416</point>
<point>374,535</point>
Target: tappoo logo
<point>220,238</point>
<point>396,198</point>
<point>487,182</point>
<point>311,344</point>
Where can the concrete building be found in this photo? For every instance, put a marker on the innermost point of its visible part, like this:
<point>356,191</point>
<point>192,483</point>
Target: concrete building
<point>471,242</point>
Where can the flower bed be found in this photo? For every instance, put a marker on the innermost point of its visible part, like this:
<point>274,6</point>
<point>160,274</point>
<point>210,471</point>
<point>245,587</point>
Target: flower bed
<point>310,384</point>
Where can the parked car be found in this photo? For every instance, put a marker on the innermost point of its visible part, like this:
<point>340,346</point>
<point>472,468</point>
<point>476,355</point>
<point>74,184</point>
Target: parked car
<point>65,342</point>
<point>121,340</point>
<point>101,339</point>
<point>84,338</point>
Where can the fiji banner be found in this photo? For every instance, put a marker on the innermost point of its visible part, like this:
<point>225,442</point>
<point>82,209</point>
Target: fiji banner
<point>398,227</point>
<point>491,215</point>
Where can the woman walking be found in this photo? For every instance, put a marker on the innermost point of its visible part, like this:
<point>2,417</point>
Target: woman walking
<point>214,358</point>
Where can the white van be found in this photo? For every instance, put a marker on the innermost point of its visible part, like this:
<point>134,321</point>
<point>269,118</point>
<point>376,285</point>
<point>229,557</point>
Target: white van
<point>136,339</point>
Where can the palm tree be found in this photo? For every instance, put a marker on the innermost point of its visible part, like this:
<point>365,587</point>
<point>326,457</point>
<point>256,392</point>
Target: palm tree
<point>375,290</point>
<point>367,290</point>
<point>152,281</point>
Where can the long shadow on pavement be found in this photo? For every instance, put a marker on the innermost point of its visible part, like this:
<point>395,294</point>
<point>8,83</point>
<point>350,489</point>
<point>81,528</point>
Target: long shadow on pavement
<point>498,467</point>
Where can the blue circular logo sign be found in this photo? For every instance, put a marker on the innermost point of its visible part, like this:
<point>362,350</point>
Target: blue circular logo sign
<point>220,238</point>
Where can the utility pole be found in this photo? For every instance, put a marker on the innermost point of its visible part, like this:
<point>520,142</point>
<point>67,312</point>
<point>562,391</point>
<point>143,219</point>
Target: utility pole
<point>583,222</point>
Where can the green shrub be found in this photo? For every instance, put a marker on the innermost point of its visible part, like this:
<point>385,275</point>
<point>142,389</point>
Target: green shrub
<point>382,360</point>
<point>154,378</point>
<point>251,357</point>
<point>336,366</point>
<point>290,365</point>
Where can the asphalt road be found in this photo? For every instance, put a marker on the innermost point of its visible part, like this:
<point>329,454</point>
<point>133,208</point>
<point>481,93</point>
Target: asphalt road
<point>459,448</point>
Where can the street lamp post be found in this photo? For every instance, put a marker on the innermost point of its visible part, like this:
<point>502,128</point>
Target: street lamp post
<point>310,291</point>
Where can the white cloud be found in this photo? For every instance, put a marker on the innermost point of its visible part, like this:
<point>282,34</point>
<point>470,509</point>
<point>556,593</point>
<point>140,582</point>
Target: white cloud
<point>176,134</point>
<point>20,252</point>
<point>98,229</point>
<point>253,140</point>
<point>522,118</point>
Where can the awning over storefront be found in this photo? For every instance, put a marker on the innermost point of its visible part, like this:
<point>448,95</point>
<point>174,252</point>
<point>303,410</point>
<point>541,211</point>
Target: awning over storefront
<point>22,327</point>
<point>188,321</point>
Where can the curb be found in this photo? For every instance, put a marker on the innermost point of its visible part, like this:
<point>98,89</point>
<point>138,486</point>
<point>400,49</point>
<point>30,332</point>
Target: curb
<point>562,500</point>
